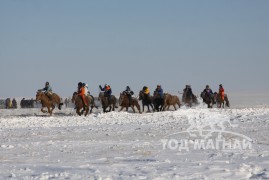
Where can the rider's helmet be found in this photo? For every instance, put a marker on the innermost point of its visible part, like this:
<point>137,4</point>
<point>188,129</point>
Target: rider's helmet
<point>158,86</point>
<point>207,87</point>
<point>127,88</point>
<point>80,84</point>
<point>83,84</point>
<point>47,83</point>
<point>220,85</point>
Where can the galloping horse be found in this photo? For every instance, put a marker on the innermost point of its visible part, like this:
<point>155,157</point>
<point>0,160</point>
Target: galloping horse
<point>79,104</point>
<point>48,102</point>
<point>208,99</point>
<point>189,100</point>
<point>170,100</point>
<point>158,102</point>
<point>107,103</point>
<point>124,103</point>
<point>146,101</point>
<point>220,101</point>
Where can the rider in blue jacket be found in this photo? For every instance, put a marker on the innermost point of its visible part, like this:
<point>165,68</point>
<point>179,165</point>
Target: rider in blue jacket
<point>159,91</point>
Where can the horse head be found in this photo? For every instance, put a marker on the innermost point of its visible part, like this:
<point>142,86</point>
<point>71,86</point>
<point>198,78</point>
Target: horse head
<point>74,97</point>
<point>38,95</point>
<point>141,95</point>
<point>122,97</point>
<point>101,95</point>
<point>202,95</point>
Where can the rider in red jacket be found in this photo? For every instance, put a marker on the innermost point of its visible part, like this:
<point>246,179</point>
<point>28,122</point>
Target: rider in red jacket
<point>221,92</point>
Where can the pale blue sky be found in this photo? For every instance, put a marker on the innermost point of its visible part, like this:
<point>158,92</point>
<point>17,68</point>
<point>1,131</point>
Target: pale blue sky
<point>133,43</point>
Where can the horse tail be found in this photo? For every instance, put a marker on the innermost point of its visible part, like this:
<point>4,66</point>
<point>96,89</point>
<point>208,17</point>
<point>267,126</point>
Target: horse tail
<point>227,101</point>
<point>137,106</point>
<point>116,102</point>
<point>60,106</point>
<point>58,101</point>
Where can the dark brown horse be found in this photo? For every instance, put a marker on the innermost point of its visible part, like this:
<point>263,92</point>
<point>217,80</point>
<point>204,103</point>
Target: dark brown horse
<point>124,103</point>
<point>208,99</point>
<point>220,102</point>
<point>47,102</point>
<point>170,100</point>
<point>112,103</point>
<point>79,105</point>
<point>189,100</point>
<point>158,102</point>
<point>146,100</point>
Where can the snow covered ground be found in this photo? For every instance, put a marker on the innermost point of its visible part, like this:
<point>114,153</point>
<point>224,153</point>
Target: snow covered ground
<point>122,145</point>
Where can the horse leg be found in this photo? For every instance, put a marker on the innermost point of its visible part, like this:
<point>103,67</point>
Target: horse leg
<point>143,107</point>
<point>42,109</point>
<point>168,108</point>
<point>83,109</point>
<point>133,108</point>
<point>121,109</point>
<point>87,111</point>
<point>138,107</point>
<point>227,103</point>
<point>152,107</point>
<point>157,108</point>
<point>148,108</point>
<point>53,107</point>
<point>49,111</point>
<point>78,111</point>
<point>175,107</point>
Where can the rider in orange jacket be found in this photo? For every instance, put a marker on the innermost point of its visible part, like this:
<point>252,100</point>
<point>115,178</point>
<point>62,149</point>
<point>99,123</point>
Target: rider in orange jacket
<point>81,93</point>
<point>221,91</point>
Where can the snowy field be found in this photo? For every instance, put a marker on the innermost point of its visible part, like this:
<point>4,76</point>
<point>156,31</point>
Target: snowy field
<point>123,145</point>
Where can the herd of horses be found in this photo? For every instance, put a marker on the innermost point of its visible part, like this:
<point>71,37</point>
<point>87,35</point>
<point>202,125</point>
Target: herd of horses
<point>153,103</point>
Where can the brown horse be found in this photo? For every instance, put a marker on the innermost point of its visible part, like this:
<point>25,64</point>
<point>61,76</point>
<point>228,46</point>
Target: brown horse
<point>76,99</point>
<point>220,102</point>
<point>170,100</point>
<point>124,103</point>
<point>107,103</point>
<point>48,102</point>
